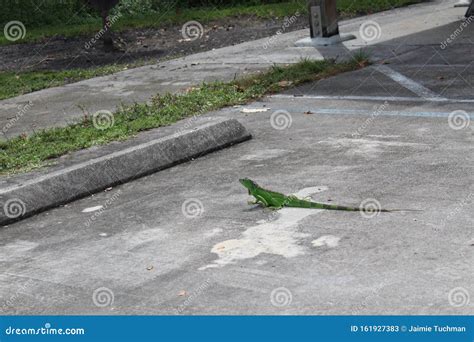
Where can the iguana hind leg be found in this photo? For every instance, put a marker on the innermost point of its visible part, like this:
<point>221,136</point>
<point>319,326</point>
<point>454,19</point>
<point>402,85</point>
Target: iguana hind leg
<point>274,208</point>
<point>307,198</point>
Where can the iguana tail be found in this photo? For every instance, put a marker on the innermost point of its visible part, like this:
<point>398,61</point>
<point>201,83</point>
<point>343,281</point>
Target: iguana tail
<point>297,203</point>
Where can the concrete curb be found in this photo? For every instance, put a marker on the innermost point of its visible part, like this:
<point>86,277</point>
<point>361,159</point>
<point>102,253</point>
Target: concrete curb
<point>29,194</point>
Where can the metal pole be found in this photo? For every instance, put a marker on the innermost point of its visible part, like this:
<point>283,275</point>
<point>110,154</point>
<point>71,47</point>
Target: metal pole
<point>323,25</point>
<point>470,10</point>
<point>323,18</point>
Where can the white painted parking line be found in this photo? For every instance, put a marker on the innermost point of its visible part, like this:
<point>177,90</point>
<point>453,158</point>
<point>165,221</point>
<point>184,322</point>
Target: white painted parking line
<point>382,113</point>
<point>370,98</point>
<point>407,83</point>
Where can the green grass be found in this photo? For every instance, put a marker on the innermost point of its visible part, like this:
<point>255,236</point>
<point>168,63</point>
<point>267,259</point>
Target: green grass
<point>27,152</point>
<point>203,15</point>
<point>359,7</point>
<point>13,84</point>
<point>158,20</point>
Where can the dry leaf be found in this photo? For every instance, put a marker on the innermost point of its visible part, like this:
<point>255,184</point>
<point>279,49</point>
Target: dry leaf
<point>285,83</point>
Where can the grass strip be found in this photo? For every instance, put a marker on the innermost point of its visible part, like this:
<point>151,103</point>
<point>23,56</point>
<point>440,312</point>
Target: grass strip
<point>18,83</point>
<point>27,152</point>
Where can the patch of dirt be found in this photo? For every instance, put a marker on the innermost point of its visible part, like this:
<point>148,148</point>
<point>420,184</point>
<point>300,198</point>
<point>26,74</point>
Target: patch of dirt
<point>150,45</point>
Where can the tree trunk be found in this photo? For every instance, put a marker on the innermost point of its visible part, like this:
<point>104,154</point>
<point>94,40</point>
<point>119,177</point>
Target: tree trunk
<point>104,7</point>
<point>107,36</point>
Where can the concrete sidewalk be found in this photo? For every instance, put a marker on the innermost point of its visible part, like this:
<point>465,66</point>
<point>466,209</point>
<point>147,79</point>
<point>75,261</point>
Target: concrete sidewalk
<point>64,105</point>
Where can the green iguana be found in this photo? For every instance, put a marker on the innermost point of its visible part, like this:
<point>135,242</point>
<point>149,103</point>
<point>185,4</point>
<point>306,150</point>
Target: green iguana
<point>276,200</point>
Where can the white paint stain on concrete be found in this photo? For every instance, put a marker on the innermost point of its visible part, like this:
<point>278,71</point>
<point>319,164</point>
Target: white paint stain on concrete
<point>330,241</point>
<point>308,192</point>
<point>16,249</point>
<point>383,136</point>
<point>182,83</point>
<point>214,232</point>
<point>366,147</point>
<point>134,239</point>
<point>265,154</point>
<point>278,237</point>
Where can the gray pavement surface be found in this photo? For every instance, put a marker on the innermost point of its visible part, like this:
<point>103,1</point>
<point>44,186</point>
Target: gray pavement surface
<point>63,105</point>
<point>184,241</point>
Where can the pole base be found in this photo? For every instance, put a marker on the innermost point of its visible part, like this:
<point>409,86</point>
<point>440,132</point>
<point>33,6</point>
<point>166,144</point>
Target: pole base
<point>463,3</point>
<point>324,41</point>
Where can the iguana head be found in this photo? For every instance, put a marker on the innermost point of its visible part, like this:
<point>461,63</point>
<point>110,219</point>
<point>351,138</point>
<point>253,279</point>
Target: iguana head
<point>249,184</point>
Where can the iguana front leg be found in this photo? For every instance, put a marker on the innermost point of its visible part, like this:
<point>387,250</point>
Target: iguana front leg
<point>261,200</point>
